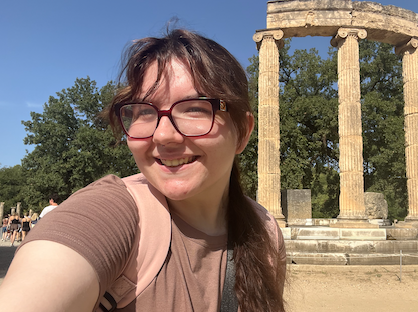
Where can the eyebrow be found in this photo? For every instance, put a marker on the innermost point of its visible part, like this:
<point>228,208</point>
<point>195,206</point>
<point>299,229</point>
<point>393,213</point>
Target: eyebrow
<point>189,97</point>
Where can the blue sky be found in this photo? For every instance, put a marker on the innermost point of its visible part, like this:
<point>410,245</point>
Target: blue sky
<point>45,45</point>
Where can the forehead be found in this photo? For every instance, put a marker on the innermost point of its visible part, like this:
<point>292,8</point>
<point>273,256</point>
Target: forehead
<point>175,78</point>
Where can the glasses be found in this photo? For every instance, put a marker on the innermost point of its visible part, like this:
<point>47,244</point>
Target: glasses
<point>191,117</point>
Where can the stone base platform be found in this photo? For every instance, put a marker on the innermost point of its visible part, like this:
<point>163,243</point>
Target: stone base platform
<point>341,246</point>
<point>350,259</point>
<point>315,233</point>
<point>351,224</point>
<point>352,247</point>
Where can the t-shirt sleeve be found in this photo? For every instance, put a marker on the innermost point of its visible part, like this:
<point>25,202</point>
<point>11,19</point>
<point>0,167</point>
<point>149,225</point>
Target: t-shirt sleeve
<point>99,222</point>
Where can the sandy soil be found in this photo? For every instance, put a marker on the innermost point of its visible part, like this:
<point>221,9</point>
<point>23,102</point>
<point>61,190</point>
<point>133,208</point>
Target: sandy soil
<point>352,288</point>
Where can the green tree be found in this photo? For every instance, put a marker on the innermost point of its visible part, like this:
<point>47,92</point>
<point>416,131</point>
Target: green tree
<point>383,122</point>
<point>11,183</point>
<point>248,158</point>
<point>73,145</point>
<point>309,127</point>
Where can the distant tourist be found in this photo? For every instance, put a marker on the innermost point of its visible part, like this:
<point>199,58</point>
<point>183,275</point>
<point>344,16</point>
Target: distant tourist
<point>53,203</point>
<point>14,227</point>
<point>25,223</point>
<point>34,219</point>
<point>4,228</point>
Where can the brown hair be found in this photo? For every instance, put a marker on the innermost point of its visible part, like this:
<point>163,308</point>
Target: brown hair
<point>215,73</point>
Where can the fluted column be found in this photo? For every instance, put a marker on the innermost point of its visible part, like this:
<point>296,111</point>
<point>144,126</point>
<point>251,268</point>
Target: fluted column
<point>410,89</point>
<point>268,43</point>
<point>349,125</point>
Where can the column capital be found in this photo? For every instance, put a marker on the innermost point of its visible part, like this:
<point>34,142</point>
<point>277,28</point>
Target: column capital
<point>410,45</point>
<point>343,33</point>
<point>277,34</point>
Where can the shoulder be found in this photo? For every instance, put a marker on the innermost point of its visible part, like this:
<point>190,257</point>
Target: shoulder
<point>109,186</point>
<point>107,196</point>
<point>271,225</point>
<point>110,180</point>
<point>263,214</point>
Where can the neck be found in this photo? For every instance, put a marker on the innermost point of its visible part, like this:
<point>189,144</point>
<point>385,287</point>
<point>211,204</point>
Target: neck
<point>207,215</point>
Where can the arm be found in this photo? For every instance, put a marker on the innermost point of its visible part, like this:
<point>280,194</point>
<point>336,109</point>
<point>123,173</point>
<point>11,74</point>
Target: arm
<point>58,257</point>
<point>60,279</point>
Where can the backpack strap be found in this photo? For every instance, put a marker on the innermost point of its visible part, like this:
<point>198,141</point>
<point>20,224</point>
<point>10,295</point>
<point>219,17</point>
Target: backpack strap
<point>152,240</point>
<point>229,301</point>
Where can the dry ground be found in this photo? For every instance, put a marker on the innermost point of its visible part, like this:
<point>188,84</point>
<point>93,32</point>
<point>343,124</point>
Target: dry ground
<point>352,288</point>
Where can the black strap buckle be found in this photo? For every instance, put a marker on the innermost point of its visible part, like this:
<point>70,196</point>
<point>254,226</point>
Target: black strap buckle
<point>112,302</point>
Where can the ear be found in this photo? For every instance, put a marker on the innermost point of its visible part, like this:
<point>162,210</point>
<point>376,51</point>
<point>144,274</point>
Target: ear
<point>250,127</point>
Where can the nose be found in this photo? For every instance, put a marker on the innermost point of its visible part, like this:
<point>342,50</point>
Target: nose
<point>166,133</point>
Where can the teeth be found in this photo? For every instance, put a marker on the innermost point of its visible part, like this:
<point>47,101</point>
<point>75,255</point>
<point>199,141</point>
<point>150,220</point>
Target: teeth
<point>176,162</point>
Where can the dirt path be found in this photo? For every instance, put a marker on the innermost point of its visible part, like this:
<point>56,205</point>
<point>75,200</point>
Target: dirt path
<point>352,288</point>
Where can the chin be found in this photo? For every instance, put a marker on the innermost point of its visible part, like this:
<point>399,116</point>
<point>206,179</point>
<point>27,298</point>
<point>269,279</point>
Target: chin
<point>175,190</point>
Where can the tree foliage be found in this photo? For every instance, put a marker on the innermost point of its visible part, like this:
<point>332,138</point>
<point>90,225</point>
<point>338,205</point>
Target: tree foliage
<point>248,158</point>
<point>73,145</point>
<point>309,126</point>
<point>383,125</point>
<point>11,183</point>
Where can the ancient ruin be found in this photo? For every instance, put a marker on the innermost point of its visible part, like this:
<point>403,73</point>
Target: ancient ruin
<point>355,236</point>
<point>345,22</point>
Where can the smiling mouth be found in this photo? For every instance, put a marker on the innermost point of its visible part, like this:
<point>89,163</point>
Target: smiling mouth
<point>177,162</point>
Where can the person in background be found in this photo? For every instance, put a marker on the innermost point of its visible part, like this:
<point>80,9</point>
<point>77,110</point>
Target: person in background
<point>4,228</point>
<point>25,225</point>
<point>184,109</point>
<point>14,221</point>
<point>34,219</point>
<point>53,203</point>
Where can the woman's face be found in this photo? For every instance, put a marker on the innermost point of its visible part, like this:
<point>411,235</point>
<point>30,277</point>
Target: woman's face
<point>184,167</point>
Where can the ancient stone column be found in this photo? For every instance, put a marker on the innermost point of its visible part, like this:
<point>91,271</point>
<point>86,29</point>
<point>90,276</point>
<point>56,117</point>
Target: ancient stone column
<point>268,43</point>
<point>349,125</point>
<point>410,89</point>
<point>18,208</point>
<point>1,210</point>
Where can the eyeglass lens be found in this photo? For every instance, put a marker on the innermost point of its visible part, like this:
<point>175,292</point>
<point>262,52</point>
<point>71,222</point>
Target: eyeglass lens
<point>191,118</point>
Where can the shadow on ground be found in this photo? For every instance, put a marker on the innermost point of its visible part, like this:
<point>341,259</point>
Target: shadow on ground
<point>6,256</point>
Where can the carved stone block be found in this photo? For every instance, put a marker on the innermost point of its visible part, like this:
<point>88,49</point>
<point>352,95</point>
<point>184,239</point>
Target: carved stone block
<point>296,204</point>
<point>376,205</point>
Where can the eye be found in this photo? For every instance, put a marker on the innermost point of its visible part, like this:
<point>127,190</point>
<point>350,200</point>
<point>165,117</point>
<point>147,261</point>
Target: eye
<point>193,109</point>
<point>143,113</point>
<point>197,110</point>
<point>146,112</point>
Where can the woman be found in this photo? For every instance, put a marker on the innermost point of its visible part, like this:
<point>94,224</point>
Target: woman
<point>186,114</point>
<point>26,225</point>
<point>34,219</point>
<point>14,227</point>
